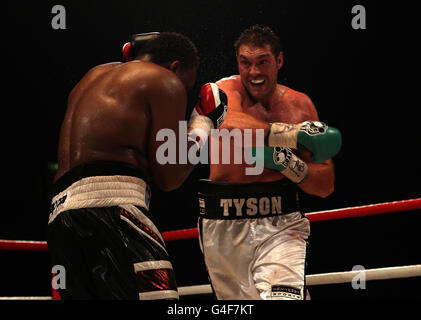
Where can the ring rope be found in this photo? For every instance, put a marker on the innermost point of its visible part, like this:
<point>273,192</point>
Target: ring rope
<point>311,280</point>
<point>350,212</point>
<point>365,210</point>
<point>369,274</point>
<point>333,277</point>
<point>27,298</point>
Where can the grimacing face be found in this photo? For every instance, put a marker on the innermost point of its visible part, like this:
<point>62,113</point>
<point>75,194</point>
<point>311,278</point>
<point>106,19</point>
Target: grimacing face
<point>258,68</point>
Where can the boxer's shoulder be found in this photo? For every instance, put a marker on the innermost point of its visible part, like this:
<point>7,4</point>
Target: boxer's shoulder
<point>99,70</point>
<point>104,67</point>
<point>300,101</point>
<point>150,77</point>
<point>232,83</point>
<point>235,91</point>
<point>90,77</point>
<point>292,95</point>
<point>143,69</point>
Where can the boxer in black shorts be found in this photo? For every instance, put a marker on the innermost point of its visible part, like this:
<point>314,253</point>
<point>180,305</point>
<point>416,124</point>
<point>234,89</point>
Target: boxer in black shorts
<point>100,228</point>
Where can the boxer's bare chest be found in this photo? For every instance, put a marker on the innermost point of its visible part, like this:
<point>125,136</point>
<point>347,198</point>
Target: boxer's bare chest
<point>280,109</point>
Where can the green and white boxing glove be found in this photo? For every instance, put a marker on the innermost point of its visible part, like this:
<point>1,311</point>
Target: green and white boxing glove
<point>322,141</point>
<point>281,159</point>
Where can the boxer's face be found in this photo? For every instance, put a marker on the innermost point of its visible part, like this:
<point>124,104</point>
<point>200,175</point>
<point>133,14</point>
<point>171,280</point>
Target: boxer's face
<point>258,68</point>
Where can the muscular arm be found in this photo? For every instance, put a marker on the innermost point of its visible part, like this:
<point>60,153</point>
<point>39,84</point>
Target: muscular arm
<point>320,179</point>
<point>168,106</point>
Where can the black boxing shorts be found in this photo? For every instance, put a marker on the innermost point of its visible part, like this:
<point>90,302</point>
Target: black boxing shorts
<point>254,240</point>
<point>101,232</point>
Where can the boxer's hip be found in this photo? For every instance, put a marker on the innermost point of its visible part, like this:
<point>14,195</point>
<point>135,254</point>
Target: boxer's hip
<point>235,218</point>
<point>99,222</point>
<point>246,230</point>
<point>227,201</point>
<point>97,185</point>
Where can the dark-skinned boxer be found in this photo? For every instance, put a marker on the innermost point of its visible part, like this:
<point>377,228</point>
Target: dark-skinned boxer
<point>100,227</point>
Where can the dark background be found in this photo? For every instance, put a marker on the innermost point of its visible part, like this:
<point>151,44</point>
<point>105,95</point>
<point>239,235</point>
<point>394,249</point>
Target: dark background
<point>364,82</point>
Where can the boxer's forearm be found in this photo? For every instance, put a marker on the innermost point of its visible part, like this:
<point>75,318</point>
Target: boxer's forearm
<point>171,176</point>
<point>179,175</point>
<point>320,179</point>
<point>174,177</point>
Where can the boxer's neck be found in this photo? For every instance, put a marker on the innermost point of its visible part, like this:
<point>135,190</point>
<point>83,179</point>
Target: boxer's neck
<point>271,100</point>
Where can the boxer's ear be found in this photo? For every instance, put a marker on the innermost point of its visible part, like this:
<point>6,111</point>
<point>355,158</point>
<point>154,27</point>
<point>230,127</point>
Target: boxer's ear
<point>280,60</point>
<point>174,66</point>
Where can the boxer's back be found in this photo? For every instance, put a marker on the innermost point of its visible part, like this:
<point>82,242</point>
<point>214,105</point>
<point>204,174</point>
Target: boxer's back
<point>108,117</point>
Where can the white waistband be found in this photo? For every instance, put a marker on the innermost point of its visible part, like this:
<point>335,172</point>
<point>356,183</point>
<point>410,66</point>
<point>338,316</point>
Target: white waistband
<point>101,191</point>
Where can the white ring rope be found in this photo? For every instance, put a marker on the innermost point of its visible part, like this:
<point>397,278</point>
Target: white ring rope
<point>370,274</point>
<point>330,278</point>
<point>311,280</point>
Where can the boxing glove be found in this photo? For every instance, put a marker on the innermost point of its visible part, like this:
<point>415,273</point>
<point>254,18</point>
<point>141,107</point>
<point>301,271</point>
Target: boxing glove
<point>323,142</point>
<point>281,159</point>
<point>208,114</point>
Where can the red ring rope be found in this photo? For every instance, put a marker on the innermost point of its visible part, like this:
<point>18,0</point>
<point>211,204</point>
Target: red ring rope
<point>23,245</point>
<point>352,212</point>
<point>367,210</point>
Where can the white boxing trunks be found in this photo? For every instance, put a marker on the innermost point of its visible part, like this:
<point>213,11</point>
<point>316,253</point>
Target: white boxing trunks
<point>254,240</point>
